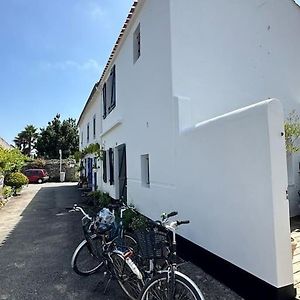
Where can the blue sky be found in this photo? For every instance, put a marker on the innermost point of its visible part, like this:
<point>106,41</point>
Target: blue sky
<point>51,54</point>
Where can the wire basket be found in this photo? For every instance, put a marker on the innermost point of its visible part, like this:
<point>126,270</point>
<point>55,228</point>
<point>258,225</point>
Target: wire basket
<point>152,244</point>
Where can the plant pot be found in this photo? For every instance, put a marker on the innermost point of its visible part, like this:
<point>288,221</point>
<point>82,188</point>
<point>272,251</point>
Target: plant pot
<point>294,245</point>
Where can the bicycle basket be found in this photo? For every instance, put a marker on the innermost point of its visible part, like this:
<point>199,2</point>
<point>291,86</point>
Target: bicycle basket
<point>152,244</point>
<point>106,216</point>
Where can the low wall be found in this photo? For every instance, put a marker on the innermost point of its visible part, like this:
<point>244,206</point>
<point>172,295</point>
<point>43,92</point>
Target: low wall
<point>237,179</point>
<point>231,181</point>
<point>52,166</point>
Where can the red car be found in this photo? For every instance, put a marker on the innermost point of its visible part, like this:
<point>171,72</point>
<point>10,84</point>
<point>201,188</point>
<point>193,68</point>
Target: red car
<point>37,175</point>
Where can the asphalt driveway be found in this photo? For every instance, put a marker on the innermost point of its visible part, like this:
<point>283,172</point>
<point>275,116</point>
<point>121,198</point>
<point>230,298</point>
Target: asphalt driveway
<point>35,257</point>
<point>37,240</point>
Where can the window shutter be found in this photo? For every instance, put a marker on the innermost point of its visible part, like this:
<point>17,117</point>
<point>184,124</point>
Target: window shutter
<point>94,127</point>
<point>104,167</point>
<point>88,133</point>
<point>113,88</point>
<point>104,100</point>
<point>111,166</point>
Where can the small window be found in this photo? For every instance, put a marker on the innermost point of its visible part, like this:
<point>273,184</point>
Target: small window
<point>145,173</point>
<point>88,132</point>
<point>136,44</point>
<point>94,126</point>
<point>81,137</point>
<point>111,166</point>
<point>104,167</point>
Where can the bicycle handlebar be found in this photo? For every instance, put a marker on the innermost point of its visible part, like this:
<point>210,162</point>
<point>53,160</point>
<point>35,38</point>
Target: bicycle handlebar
<point>78,208</point>
<point>172,214</point>
<point>183,222</point>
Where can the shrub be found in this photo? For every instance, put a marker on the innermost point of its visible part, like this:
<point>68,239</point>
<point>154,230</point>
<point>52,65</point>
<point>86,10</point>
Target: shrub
<point>133,220</point>
<point>139,222</point>
<point>38,163</point>
<point>7,191</point>
<point>15,180</point>
<point>100,199</point>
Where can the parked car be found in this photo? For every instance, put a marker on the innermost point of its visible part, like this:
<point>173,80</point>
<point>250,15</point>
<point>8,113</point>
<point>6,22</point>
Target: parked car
<point>37,175</point>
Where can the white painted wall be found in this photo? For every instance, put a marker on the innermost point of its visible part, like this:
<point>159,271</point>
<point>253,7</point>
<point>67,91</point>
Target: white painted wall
<point>231,181</point>
<point>93,109</point>
<point>144,100</point>
<point>228,175</point>
<point>228,54</point>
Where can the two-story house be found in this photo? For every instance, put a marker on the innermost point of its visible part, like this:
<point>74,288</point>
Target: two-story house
<point>186,112</point>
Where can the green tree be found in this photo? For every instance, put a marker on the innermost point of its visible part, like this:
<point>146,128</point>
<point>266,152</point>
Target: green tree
<point>58,135</point>
<point>26,139</point>
<point>11,160</point>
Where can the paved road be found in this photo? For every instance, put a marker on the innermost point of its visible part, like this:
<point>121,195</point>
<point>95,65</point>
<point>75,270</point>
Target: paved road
<point>35,258</point>
<point>37,240</point>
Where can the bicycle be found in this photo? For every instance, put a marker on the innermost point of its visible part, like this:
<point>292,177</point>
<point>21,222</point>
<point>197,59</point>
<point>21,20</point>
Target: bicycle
<point>106,245</point>
<point>168,283</point>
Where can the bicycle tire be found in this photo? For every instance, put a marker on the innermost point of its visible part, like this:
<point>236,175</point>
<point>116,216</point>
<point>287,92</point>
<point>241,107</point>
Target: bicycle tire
<point>127,279</point>
<point>87,258</point>
<point>157,287</point>
<point>129,241</point>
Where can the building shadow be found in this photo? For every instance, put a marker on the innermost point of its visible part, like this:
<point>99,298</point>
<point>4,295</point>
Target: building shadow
<point>35,258</point>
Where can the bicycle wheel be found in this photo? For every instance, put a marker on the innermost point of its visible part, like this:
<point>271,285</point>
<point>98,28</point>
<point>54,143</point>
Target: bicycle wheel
<point>157,288</point>
<point>87,258</point>
<point>128,241</point>
<point>127,279</point>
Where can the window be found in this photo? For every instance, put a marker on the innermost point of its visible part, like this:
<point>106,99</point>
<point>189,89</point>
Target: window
<point>111,165</point>
<point>81,138</point>
<point>109,93</point>
<point>104,167</point>
<point>88,132</point>
<point>136,44</point>
<point>145,174</point>
<point>94,126</point>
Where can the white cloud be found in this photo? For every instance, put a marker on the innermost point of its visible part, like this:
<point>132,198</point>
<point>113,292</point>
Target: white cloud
<point>88,65</point>
<point>91,9</point>
<point>96,11</point>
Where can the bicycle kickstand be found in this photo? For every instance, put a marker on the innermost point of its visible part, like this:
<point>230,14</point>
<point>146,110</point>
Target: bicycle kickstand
<point>107,282</point>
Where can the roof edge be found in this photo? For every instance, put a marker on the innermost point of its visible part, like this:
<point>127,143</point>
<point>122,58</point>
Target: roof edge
<point>94,89</point>
<point>116,46</point>
<point>119,40</point>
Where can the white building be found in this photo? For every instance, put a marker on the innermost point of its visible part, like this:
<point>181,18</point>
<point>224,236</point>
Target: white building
<point>184,114</point>
<point>90,127</point>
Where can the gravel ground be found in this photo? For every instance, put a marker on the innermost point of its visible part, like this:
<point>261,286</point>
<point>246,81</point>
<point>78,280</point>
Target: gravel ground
<point>38,238</point>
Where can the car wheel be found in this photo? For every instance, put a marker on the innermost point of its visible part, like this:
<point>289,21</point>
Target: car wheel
<point>40,180</point>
